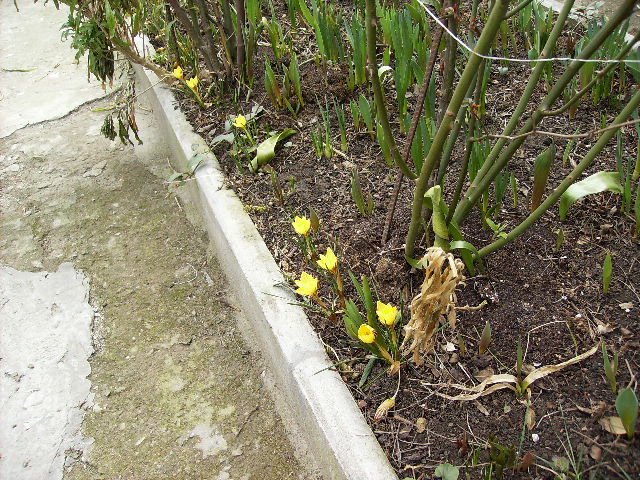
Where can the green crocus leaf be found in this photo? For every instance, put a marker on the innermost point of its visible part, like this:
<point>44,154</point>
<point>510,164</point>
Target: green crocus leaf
<point>596,183</point>
<point>267,149</point>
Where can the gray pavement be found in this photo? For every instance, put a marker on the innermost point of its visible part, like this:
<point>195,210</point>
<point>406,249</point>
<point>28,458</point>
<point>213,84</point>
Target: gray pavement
<point>121,354</point>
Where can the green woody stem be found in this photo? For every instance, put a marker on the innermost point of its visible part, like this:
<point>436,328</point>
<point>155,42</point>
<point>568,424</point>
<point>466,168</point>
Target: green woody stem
<point>482,47</point>
<point>568,181</point>
<point>381,108</point>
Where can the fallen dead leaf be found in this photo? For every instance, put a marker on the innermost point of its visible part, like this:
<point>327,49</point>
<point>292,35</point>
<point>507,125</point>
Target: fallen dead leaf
<point>603,328</point>
<point>421,424</point>
<point>449,347</point>
<point>588,411</point>
<point>626,306</point>
<point>530,418</point>
<point>612,425</point>
<point>484,374</point>
<point>482,408</point>
<point>595,452</point>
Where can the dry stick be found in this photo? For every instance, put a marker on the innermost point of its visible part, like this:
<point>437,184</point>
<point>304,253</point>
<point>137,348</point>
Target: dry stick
<point>558,135</point>
<point>205,25</point>
<point>195,37</point>
<point>412,133</point>
<point>240,48</point>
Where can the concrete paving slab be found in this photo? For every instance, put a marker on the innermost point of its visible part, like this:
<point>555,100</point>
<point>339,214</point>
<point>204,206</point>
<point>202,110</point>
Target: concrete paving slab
<point>39,76</point>
<point>44,349</point>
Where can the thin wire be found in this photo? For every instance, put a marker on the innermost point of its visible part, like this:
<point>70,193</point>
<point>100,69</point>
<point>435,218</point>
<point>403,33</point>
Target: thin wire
<point>518,60</point>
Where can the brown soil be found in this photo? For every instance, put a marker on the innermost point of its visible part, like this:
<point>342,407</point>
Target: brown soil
<point>550,299</point>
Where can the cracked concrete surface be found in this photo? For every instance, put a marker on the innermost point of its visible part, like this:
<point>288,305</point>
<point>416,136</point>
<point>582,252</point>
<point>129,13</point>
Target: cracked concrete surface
<point>175,392</point>
<point>39,76</point>
<point>45,345</point>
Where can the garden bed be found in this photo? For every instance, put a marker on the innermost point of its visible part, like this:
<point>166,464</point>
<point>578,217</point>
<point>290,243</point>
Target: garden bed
<point>548,296</point>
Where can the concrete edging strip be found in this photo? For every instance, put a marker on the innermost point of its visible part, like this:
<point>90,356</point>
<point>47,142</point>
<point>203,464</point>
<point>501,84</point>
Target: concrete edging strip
<point>337,433</point>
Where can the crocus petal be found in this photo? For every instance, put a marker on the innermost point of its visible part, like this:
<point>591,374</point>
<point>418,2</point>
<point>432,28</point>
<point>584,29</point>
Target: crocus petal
<point>301,225</point>
<point>366,334</point>
<point>240,122</point>
<point>307,285</point>
<point>387,313</point>
<point>329,261</point>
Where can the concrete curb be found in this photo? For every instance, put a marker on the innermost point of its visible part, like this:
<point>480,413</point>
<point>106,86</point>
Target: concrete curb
<point>337,433</point>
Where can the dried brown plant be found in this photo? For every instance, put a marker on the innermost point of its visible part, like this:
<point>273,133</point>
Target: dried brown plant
<point>435,302</point>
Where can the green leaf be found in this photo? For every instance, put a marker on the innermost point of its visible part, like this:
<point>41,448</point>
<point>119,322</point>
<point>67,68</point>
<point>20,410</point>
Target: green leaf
<point>463,245</point>
<point>367,372</point>
<point>627,407</point>
<point>438,219</point>
<point>414,262</point>
<point>267,149</point>
<point>596,183</point>
<point>195,162</point>
<point>110,17</point>
<point>541,175</point>
<point>446,471</point>
<point>383,71</point>
<point>636,210</point>
<point>467,255</point>
<point>607,272</point>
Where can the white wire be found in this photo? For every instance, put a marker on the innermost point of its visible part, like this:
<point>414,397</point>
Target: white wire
<point>518,60</point>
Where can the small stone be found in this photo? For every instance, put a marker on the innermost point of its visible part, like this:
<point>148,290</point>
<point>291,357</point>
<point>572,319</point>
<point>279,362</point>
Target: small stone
<point>535,437</point>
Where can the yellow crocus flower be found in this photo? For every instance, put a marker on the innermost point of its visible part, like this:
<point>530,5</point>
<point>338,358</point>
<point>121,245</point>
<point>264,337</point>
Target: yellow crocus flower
<point>366,334</point>
<point>178,73</point>
<point>307,285</point>
<point>301,225</point>
<point>240,122</point>
<point>192,83</point>
<point>329,261</point>
<point>387,313</point>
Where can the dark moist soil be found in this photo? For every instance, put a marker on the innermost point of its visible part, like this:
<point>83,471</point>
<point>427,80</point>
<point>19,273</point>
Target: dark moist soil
<point>551,299</point>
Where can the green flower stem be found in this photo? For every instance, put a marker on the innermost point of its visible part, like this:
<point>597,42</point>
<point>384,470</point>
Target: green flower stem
<point>320,302</point>
<point>246,131</point>
<point>482,47</point>
<point>385,353</point>
<point>495,162</point>
<point>340,288</point>
<point>588,159</point>
<point>394,336</point>
<point>381,109</point>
